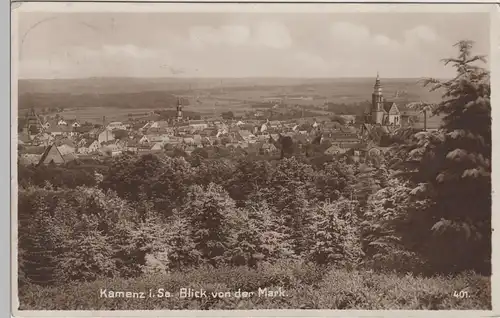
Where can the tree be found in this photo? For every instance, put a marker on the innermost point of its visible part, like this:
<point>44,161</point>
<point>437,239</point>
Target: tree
<point>120,134</point>
<point>333,180</point>
<point>335,234</point>
<point>168,188</point>
<point>219,171</point>
<point>423,107</point>
<point>391,227</point>
<point>128,174</point>
<point>87,254</point>
<point>291,185</point>
<point>179,245</point>
<point>258,235</point>
<point>211,214</point>
<point>248,177</point>
<point>39,246</point>
<point>286,146</point>
<point>453,167</point>
<point>227,115</point>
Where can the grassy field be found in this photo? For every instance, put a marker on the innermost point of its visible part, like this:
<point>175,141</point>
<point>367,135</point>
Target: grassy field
<point>303,287</point>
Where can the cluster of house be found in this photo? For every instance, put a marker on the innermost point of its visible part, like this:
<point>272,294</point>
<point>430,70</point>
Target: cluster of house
<point>61,141</point>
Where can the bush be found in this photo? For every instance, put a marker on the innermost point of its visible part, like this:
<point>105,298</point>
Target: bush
<point>335,234</point>
<point>306,286</point>
<point>211,214</point>
<point>78,234</point>
<point>392,225</point>
<point>258,236</point>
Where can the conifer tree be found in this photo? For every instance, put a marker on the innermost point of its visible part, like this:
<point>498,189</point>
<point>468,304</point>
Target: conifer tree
<point>210,212</point>
<point>454,167</point>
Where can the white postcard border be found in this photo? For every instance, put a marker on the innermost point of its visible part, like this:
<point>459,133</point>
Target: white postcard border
<point>396,7</point>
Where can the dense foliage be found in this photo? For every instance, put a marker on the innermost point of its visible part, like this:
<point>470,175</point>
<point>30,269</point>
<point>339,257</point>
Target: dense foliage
<point>451,168</point>
<point>422,207</point>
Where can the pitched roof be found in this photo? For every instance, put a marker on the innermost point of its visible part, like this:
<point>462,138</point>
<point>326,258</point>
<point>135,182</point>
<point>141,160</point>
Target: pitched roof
<point>389,105</point>
<point>88,143</point>
<point>53,152</point>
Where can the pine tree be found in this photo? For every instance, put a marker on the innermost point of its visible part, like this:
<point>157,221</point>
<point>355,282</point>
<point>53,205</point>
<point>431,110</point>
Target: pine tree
<point>210,212</point>
<point>37,239</point>
<point>258,235</point>
<point>180,248</point>
<point>454,166</point>
<point>335,234</point>
<point>40,259</point>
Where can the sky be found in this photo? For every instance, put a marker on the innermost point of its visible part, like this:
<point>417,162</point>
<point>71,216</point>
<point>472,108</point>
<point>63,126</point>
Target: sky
<point>183,44</point>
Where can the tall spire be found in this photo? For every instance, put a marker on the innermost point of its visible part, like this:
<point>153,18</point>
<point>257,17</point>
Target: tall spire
<point>179,109</point>
<point>377,88</point>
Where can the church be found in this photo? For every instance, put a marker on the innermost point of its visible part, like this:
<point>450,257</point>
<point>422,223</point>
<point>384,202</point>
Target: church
<point>382,112</point>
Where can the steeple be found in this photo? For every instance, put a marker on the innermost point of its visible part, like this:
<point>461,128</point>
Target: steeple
<point>377,110</point>
<point>377,88</point>
<point>33,124</point>
<point>179,109</point>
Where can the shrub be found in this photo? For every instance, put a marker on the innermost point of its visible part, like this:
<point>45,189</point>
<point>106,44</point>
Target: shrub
<point>335,234</point>
<point>258,236</point>
<point>306,286</point>
<point>391,228</point>
<point>211,215</point>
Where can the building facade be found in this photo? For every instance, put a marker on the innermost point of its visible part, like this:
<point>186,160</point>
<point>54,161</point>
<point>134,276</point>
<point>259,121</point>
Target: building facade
<point>382,112</point>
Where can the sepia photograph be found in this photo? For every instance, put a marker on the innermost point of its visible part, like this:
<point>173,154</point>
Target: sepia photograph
<point>251,157</point>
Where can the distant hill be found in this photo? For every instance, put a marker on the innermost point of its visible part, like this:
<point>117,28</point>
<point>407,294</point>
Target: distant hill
<point>148,99</point>
<point>111,85</point>
<point>155,93</point>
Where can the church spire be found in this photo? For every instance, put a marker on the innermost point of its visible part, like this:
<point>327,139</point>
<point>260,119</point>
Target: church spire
<point>377,87</point>
<point>179,109</point>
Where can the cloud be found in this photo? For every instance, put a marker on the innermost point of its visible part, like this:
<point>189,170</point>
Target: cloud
<point>349,32</point>
<point>255,46</point>
<point>422,33</point>
<point>360,35</point>
<point>129,50</point>
<point>272,34</point>
<point>358,49</point>
<point>265,34</point>
<point>116,51</point>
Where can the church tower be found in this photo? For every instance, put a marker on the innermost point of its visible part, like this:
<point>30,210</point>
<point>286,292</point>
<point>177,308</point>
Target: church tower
<point>377,111</point>
<point>33,125</point>
<point>179,109</point>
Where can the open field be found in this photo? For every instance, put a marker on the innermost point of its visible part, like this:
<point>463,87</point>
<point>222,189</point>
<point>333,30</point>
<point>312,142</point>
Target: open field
<point>337,92</point>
